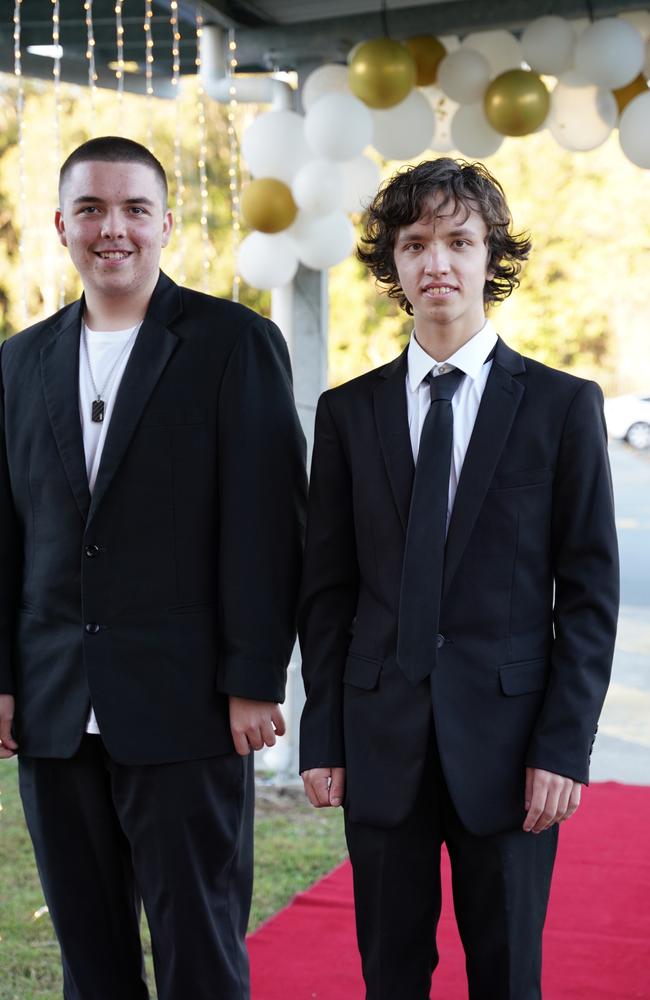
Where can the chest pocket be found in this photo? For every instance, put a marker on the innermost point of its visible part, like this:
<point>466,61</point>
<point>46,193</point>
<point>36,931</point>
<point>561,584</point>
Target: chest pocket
<point>520,478</point>
<point>174,416</point>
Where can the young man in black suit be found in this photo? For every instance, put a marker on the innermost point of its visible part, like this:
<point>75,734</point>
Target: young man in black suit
<point>459,600</point>
<point>151,513</point>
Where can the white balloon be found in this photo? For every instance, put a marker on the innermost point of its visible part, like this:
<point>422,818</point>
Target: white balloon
<point>581,116</point>
<point>547,45</point>
<point>450,42</point>
<point>267,261</point>
<point>471,132</point>
<point>639,19</point>
<point>338,127</point>
<point>444,109</point>
<point>464,76</point>
<point>318,187</point>
<point>634,131</point>
<point>406,130</point>
<point>322,241</point>
<point>500,48</point>
<point>646,65</point>
<point>331,78</point>
<point>360,182</point>
<point>610,53</point>
<point>274,145</point>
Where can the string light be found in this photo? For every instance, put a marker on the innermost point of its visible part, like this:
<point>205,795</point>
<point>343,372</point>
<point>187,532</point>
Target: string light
<point>22,194</point>
<point>233,168</point>
<point>148,69</point>
<point>203,155</point>
<point>56,23</point>
<point>90,52</point>
<point>119,72</point>
<point>178,162</point>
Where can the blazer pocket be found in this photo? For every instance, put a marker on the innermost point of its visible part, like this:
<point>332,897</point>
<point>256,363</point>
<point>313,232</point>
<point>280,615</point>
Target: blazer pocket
<point>525,477</point>
<point>174,416</point>
<point>362,672</point>
<point>523,678</point>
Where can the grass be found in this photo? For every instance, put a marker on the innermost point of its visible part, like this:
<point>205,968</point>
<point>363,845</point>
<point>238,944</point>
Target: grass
<point>294,846</point>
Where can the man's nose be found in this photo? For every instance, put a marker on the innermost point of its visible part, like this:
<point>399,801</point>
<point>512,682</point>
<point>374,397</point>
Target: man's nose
<point>437,260</point>
<point>113,225</point>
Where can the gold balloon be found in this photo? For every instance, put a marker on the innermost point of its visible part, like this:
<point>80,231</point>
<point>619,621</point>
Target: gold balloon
<point>631,90</point>
<point>428,52</point>
<point>267,205</point>
<point>516,102</point>
<point>382,72</point>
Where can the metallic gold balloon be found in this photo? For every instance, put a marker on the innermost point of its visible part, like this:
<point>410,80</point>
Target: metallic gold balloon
<point>382,72</point>
<point>428,52</point>
<point>267,205</point>
<point>631,90</point>
<point>516,102</point>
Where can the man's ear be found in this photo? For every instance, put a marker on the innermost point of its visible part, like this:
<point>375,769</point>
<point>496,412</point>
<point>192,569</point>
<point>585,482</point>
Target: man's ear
<point>168,223</point>
<point>60,227</point>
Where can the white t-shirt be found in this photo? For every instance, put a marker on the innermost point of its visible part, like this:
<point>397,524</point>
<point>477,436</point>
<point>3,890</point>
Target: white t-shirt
<point>107,353</point>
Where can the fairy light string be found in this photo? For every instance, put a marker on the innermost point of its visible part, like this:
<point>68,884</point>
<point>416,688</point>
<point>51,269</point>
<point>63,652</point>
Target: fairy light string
<point>148,69</point>
<point>202,159</point>
<point>22,192</point>
<point>233,168</point>
<point>56,42</point>
<point>119,42</point>
<point>179,200</point>
<point>90,52</point>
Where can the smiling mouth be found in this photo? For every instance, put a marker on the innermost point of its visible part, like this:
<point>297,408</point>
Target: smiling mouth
<point>113,254</point>
<point>439,290</point>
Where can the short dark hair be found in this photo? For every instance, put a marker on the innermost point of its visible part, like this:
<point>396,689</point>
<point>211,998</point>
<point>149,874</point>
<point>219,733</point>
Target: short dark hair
<point>401,201</point>
<point>114,149</point>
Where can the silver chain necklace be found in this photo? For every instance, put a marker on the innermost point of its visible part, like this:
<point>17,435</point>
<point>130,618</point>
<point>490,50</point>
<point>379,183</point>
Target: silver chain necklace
<point>98,408</point>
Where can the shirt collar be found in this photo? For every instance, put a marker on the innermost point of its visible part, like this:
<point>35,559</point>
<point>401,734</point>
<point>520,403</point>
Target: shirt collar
<point>470,358</point>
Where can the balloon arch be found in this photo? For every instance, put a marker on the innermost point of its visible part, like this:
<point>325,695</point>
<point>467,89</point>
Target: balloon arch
<point>310,171</point>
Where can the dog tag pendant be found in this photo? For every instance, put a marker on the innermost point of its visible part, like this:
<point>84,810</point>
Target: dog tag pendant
<point>97,414</point>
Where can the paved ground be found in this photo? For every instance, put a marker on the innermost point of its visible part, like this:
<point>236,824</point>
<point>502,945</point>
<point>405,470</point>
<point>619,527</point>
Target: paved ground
<point>622,749</point>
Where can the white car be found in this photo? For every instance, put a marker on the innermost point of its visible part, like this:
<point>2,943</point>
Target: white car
<point>628,419</point>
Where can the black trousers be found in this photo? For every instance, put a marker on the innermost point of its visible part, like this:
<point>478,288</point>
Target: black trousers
<point>176,836</point>
<point>500,884</point>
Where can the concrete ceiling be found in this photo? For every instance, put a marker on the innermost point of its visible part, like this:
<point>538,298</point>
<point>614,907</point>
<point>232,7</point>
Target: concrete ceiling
<point>271,34</point>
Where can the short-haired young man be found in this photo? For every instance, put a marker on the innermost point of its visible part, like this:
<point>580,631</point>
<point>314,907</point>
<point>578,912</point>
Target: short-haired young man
<point>459,600</point>
<point>151,508</point>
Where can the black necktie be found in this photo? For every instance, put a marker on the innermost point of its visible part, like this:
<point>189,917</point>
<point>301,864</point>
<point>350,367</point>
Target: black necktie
<point>419,606</point>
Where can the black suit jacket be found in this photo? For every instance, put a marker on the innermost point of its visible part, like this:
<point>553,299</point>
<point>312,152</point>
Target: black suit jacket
<point>175,585</point>
<point>530,595</point>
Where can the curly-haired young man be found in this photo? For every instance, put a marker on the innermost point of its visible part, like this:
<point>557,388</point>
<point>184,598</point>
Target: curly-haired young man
<point>459,600</point>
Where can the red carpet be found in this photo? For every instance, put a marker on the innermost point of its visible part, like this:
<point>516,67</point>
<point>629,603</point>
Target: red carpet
<point>597,939</point>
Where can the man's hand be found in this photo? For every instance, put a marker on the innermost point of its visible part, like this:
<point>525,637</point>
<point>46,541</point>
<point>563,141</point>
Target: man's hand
<point>550,798</point>
<point>324,786</point>
<point>254,724</point>
<point>8,745</point>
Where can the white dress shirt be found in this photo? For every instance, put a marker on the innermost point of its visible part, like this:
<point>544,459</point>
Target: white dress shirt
<point>470,359</point>
<point>107,353</point>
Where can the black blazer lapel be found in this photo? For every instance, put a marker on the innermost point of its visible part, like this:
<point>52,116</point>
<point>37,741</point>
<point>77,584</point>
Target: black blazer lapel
<point>499,404</point>
<point>60,378</point>
<point>152,350</point>
<point>391,415</point>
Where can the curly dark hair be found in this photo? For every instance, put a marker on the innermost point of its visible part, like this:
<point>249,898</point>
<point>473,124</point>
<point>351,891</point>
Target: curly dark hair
<point>401,201</point>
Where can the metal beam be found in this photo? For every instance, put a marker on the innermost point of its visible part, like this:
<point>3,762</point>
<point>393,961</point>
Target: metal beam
<point>282,46</point>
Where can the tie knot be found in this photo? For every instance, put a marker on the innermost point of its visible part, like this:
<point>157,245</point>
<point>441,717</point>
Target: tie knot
<point>444,386</point>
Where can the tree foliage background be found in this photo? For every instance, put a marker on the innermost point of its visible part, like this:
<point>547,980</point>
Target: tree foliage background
<point>584,301</point>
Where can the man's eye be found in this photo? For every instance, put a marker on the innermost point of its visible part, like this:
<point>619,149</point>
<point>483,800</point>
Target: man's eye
<point>137,210</point>
<point>89,210</point>
<point>460,243</point>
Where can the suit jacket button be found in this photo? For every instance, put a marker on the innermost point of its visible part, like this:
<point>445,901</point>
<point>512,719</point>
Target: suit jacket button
<point>440,640</point>
<point>91,551</point>
<point>92,628</point>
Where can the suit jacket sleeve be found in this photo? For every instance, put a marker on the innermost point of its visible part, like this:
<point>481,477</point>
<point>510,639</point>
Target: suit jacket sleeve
<point>262,497</point>
<point>586,593</point>
<point>9,558</point>
<point>328,596</point>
